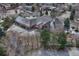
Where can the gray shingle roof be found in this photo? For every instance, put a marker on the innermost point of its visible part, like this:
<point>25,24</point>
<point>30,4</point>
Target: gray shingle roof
<point>22,21</point>
<point>40,20</point>
<point>43,19</point>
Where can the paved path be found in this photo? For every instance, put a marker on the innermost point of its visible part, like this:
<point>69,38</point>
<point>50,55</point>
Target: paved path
<point>74,51</point>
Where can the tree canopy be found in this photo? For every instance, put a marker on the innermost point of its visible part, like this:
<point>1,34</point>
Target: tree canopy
<point>7,22</point>
<point>46,12</point>
<point>1,33</point>
<point>45,35</point>
<point>62,40</point>
<point>72,14</point>
<point>33,8</point>
<point>41,14</point>
<point>67,24</point>
<point>53,13</point>
<point>2,51</point>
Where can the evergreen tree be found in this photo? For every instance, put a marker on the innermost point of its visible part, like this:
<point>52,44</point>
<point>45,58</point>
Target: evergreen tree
<point>70,8</point>
<point>67,24</point>
<point>7,22</point>
<point>72,14</point>
<point>62,40</point>
<point>33,8</point>
<point>41,14</point>
<point>45,35</point>
<point>2,33</point>
<point>46,12</point>
<point>2,51</point>
<point>53,13</point>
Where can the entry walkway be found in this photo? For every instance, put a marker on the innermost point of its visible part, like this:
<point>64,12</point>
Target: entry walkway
<point>74,51</point>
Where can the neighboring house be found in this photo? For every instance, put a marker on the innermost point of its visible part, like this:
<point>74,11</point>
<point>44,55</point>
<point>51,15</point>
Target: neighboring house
<point>75,24</point>
<point>76,7</point>
<point>48,8</point>
<point>7,6</point>
<point>35,14</point>
<point>2,9</point>
<point>11,12</point>
<point>28,8</point>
